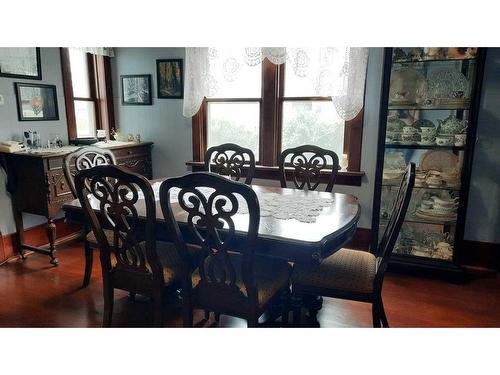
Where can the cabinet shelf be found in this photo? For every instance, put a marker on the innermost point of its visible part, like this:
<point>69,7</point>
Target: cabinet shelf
<point>420,147</point>
<point>404,62</point>
<point>417,220</point>
<point>441,107</point>
<point>455,188</point>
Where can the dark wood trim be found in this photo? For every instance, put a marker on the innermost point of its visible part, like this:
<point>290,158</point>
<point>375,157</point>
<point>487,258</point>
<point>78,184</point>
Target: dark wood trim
<point>270,127</point>
<point>200,133</point>
<point>481,254</point>
<point>353,139</point>
<point>101,92</point>
<point>349,178</point>
<point>36,236</point>
<point>361,239</point>
<point>269,139</point>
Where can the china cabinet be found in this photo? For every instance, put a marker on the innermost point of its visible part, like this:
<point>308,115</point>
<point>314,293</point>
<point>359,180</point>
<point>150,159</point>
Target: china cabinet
<point>428,115</point>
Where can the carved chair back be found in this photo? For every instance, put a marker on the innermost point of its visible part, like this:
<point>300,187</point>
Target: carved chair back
<point>228,159</point>
<point>307,162</point>
<point>397,216</point>
<point>210,203</point>
<point>117,200</point>
<point>85,158</point>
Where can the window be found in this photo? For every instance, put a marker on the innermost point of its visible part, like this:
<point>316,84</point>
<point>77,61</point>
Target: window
<point>87,91</point>
<point>268,110</point>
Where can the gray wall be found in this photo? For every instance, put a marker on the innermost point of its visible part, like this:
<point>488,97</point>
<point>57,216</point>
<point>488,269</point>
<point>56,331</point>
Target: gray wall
<point>10,127</point>
<point>161,122</point>
<point>483,214</point>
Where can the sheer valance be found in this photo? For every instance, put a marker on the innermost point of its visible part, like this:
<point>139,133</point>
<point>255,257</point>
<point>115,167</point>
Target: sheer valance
<point>100,51</point>
<point>336,72</point>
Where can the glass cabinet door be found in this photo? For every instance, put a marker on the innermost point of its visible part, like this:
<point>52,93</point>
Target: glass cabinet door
<point>427,123</point>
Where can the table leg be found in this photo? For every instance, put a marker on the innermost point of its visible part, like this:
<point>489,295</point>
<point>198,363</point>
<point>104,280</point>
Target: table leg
<point>313,305</point>
<point>51,233</point>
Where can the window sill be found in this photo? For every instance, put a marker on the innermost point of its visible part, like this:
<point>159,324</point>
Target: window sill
<point>348,178</point>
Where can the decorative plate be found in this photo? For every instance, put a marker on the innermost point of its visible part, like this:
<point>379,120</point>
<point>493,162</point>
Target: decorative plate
<point>448,84</point>
<point>439,160</point>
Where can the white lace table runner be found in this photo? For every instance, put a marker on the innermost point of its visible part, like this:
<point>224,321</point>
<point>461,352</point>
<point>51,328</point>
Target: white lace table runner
<point>306,209</point>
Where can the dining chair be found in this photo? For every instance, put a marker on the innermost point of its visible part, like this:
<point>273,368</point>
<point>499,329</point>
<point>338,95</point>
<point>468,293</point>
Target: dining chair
<point>354,274</point>
<point>85,158</point>
<point>133,260</point>
<point>225,282</point>
<point>307,162</point>
<point>228,159</point>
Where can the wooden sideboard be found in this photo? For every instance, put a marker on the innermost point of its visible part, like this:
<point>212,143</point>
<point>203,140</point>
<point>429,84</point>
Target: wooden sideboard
<point>37,185</point>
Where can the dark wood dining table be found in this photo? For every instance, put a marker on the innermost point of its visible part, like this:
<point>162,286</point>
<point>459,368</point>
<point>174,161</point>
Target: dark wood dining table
<point>290,239</point>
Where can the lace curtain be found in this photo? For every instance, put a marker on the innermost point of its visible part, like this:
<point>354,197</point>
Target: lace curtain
<point>100,51</point>
<point>336,72</point>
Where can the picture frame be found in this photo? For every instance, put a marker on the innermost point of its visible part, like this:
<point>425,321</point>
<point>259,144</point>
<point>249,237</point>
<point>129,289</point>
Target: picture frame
<point>22,63</point>
<point>170,78</point>
<point>36,102</point>
<point>136,89</point>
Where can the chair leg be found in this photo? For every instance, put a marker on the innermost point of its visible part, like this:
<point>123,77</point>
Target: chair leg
<point>297,308</point>
<point>285,307</point>
<point>375,314</point>
<point>89,257</point>
<point>207,314</point>
<point>383,317</point>
<point>217,317</point>
<point>108,305</point>
<point>157,310</point>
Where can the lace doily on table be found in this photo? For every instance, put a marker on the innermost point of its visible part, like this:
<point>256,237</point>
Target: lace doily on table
<point>306,209</point>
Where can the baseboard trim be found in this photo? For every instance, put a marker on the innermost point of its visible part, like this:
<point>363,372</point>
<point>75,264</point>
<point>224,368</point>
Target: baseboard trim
<point>481,254</point>
<point>36,236</point>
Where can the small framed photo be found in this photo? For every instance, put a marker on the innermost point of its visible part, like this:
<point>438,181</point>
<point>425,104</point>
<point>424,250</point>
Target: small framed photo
<point>136,89</point>
<point>169,77</point>
<point>36,102</point>
<point>23,63</point>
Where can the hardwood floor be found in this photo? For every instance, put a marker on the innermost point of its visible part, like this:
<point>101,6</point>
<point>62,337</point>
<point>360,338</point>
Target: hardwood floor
<point>35,294</point>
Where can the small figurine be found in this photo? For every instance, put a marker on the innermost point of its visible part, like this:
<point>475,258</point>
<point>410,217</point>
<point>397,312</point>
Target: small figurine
<point>130,137</point>
<point>138,138</point>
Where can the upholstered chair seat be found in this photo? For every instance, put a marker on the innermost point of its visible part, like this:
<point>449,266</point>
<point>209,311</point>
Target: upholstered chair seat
<point>346,270</point>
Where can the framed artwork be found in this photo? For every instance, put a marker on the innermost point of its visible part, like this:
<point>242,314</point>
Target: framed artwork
<point>169,77</point>
<point>36,102</point>
<point>136,89</point>
<point>20,63</point>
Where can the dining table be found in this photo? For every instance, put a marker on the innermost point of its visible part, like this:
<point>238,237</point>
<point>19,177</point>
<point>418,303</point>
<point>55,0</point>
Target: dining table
<point>296,225</point>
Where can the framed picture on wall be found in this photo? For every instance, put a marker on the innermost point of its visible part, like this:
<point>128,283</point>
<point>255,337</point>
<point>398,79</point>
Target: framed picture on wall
<point>20,63</point>
<point>169,77</point>
<point>36,102</point>
<point>136,89</point>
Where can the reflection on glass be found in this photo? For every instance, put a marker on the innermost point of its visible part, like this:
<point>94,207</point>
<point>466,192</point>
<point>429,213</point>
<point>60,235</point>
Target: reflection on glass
<point>312,122</point>
<point>234,123</point>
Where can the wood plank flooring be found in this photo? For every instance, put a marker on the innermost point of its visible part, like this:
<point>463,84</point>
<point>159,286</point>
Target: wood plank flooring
<point>35,294</point>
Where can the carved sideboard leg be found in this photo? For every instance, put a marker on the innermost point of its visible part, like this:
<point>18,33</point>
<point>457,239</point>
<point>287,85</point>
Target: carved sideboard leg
<point>18,220</point>
<point>51,233</point>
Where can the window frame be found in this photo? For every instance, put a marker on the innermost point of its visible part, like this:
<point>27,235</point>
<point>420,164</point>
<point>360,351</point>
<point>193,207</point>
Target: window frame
<point>101,92</point>
<point>271,125</point>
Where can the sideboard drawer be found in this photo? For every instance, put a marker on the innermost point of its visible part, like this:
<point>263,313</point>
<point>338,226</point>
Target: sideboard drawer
<point>132,151</point>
